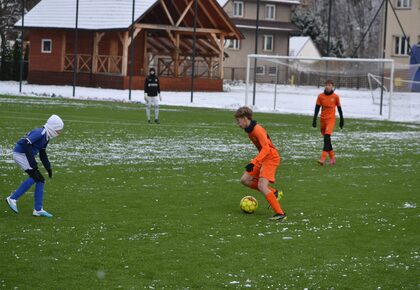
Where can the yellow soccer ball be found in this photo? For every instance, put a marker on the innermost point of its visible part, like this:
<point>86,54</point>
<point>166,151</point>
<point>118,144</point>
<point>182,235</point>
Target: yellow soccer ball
<point>248,204</point>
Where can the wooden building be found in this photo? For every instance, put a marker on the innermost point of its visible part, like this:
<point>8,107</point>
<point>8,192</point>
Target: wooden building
<point>162,34</point>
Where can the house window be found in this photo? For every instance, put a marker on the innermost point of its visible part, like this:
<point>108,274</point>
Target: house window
<point>233,44</point>
<point>238,8</point>
<point>401,45</point>
<point>403,3</point>
<point>272,70</point>
<point>270,12</point>
<point>46,46</point>
<point>268,42</point>
<point>260,70</point>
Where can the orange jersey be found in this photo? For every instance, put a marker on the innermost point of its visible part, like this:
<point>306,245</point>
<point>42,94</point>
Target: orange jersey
<point>262,141</point>
<point>328,104</point>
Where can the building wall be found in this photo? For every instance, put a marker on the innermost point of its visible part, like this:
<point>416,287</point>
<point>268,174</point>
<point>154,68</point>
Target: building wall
<point>48,68</point>
<point>235,64</point>
<point>46,61</point>
<point>283,11</point>
<point>122,82</point>
<point>309,50</point>
<point>410,20</point>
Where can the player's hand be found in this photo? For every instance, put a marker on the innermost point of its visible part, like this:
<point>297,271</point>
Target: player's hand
<point>146,98</point>
<point>341,123</point>
<point>249,167</point>
<point>160,97</point>
<point>49,172</point>
<point>314,123</point>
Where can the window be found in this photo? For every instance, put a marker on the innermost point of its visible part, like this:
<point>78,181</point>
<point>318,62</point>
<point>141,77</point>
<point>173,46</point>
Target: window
<point>233,44</point>
<point>238,8</point>
<point>268,42</point>
<point>403,3</point>
<point>260,70</point>
<point>46,46</point>
<point>401,45</point>
<point>272,70</point>
<point>270,12</point>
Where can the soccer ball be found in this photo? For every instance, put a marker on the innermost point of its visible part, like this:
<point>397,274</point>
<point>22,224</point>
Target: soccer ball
<point>248,204</point>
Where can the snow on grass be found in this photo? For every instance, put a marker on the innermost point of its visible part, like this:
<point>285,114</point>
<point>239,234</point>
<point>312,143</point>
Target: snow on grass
<point>409,205</point>
<point>289,99</point>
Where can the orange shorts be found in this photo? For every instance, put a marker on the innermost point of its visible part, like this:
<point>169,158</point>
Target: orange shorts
<point>327,126</point>
<point>267,169</point>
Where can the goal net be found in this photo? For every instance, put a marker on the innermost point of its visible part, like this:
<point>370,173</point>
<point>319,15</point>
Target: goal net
<point>372,88</point>
<point>405,102</point>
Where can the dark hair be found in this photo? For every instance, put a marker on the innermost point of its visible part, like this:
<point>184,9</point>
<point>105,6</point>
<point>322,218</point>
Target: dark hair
<point>329,82</point>
<point>152,69</point>
<point>244,112</point>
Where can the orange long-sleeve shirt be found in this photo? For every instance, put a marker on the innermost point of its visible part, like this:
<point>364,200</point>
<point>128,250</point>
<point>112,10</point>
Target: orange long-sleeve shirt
<point>262,141</point>
<point>328,104</point>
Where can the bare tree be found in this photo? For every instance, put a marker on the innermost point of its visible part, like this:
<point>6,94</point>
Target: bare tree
<point>10,13</point>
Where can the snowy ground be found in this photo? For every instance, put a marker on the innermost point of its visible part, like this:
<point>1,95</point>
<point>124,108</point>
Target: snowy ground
<point>289,99</point>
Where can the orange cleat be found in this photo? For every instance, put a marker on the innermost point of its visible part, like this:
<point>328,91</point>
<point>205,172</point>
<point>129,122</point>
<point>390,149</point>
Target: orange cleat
<point>332,161</point>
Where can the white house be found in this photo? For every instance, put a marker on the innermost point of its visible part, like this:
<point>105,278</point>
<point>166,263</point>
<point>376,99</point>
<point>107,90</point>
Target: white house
<point>302,46</point>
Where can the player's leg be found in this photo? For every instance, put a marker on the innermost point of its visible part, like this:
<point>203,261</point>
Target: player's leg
<point>156,107</point>
<point>22,162</point>
<point>267,176</point>
<point>148,104</point>
<point>250,179</point>
<point>39,193</point>
<point>328,132</point>
<point>324,152</point>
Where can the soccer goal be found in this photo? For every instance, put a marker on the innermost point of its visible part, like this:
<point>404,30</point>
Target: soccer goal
<point>405,103</point>
<point>291,84</point>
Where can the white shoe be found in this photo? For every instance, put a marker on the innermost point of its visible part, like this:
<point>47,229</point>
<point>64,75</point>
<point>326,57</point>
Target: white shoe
<point>42,212</point>
<point>12,204</point>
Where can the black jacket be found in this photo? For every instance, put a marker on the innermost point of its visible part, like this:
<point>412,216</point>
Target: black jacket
<point>151,86</point>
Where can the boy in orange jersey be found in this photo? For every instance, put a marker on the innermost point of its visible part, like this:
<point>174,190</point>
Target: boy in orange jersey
<point>328,100</point>
<point>262,169</point>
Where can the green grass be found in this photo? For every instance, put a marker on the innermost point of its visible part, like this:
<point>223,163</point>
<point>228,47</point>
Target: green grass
<point>156,206</point>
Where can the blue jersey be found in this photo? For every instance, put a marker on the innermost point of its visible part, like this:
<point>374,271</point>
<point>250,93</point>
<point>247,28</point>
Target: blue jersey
<point>37,138</point>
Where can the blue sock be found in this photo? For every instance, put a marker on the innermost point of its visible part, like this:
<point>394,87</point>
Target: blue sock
<point>39,195</point>
<point>23,188</point>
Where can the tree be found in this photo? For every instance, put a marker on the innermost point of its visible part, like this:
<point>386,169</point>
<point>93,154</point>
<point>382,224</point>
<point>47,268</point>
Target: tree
<point>349,21</point>
<point>10,13</point>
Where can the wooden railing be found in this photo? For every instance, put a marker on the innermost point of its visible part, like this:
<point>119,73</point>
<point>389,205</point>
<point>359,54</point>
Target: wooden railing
<point>109,64</point>
<point>84,62</point>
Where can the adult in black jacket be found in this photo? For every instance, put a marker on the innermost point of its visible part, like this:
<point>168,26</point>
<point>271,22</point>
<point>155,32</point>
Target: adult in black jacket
<point>152,94</point>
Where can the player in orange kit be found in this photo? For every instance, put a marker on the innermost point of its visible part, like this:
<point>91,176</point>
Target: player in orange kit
<point>262,169</point>
<point>328,100</point>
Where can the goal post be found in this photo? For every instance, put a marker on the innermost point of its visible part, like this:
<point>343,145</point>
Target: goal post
<point>349,73</point>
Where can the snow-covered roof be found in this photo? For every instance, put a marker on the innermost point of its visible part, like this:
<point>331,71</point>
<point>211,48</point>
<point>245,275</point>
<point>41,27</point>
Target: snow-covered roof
<point>223,2</point>
<point>296,43</point>
<point>93,14</point>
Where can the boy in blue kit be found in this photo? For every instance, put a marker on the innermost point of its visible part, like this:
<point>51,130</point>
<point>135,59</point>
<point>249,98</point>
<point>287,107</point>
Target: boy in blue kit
<point>36,141</point>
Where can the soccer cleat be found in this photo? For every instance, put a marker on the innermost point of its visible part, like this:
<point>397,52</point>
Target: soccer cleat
<point>278,195</point>
<point>42,212</point>
<point>332,161</point>
<point>278,217</point>
<point>321,161</point>
<point>157,121</point>
<point>12,204</point>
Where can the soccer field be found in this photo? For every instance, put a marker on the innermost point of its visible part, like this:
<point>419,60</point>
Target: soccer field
<point>157,206</point>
